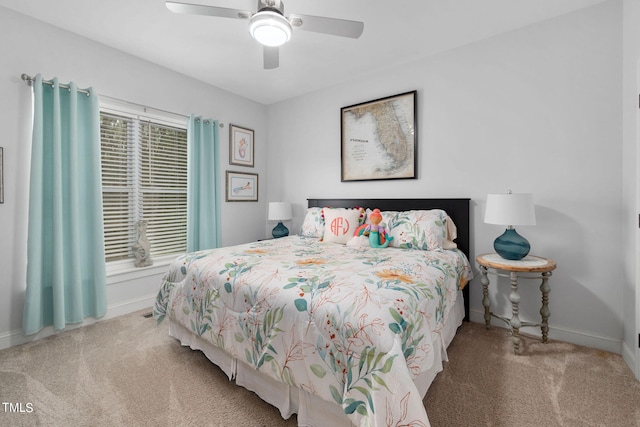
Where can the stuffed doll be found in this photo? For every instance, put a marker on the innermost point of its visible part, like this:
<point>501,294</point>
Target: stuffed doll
<point>378,237</point>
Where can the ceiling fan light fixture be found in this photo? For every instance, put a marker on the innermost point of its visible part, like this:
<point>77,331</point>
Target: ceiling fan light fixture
<point>270,28</point>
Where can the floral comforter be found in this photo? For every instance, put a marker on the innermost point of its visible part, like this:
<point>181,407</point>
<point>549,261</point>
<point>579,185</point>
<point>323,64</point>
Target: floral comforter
<point>353,326</point>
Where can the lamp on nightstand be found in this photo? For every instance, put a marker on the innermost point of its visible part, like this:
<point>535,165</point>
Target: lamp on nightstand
<point>510,209</point>
<point>280,211</point>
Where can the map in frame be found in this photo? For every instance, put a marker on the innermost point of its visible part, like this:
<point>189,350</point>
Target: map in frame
<point>379,139</point>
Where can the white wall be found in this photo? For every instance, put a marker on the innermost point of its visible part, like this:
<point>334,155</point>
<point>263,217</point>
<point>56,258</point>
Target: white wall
<point>29,46</point>
<point>534,110</point>
<point>631,195</point>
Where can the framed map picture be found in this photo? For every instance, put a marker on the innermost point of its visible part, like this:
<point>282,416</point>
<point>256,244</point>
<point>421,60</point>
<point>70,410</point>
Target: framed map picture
<point>241,187</point>
<point>240,146</point>
<point>379,139</point>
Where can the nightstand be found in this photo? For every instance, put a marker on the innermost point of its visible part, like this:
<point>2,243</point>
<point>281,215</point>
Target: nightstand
<point>530,267</point>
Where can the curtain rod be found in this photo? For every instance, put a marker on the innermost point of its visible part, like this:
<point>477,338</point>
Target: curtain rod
<point>29,80</point>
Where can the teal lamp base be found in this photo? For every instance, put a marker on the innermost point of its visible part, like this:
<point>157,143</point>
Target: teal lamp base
<point>280,231</point>
<point>511,245</point>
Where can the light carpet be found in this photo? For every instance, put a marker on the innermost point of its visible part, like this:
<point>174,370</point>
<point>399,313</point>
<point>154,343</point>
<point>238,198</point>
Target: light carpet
<point>127,371</point>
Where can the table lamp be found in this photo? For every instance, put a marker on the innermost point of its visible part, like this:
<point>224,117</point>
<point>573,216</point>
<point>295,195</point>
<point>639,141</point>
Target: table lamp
<point>280,211</point>
<point>510,209</point>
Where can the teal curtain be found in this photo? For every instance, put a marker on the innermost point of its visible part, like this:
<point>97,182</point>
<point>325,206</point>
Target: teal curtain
<point>203,193</point>
<point>66,272</point>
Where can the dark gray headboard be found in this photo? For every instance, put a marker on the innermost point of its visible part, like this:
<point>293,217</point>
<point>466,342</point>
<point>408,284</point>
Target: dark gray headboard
<point>458,210</point>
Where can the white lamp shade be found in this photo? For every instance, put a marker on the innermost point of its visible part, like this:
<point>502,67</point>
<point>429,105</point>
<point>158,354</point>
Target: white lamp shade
<point>280,211</point>
<point>510,209</point>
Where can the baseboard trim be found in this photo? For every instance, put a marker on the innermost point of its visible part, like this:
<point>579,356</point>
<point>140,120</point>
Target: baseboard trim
<point>13,338</point>
<point>629,356</point>
<point>560,334</point>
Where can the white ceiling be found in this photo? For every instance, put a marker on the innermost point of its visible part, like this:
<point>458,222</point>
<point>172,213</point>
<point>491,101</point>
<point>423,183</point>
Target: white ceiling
<point>220,51</point>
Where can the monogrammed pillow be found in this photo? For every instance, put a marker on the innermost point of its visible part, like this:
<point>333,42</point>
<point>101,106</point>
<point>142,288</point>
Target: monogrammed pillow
<point>340,224</point>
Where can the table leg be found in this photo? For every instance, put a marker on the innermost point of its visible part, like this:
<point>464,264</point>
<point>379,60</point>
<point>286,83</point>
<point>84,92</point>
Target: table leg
<point>484,279</point>
<point>544,311</point>
<point>515,322</point>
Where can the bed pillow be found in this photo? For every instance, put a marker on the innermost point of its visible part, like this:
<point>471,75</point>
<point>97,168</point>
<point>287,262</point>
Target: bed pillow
<point>313,224</point>
<point>452,234</point>
<point>341,223</point>
<point>418,229</point>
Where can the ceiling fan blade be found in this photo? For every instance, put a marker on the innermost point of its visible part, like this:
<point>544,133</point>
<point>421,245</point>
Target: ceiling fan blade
<point>198,9</point>
<point>333,26</point>
<point>271,57</point>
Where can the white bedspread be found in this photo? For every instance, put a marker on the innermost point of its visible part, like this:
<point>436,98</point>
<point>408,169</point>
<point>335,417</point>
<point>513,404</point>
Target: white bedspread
<point>356,327</point>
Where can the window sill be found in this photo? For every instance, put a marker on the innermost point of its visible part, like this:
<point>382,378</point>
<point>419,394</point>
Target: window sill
<point>118,272</point>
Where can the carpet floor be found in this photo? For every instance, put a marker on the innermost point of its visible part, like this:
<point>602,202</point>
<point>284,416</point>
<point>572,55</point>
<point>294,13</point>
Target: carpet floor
<point>127,371</point>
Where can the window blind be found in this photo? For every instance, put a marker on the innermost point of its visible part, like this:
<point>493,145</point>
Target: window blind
<point>144,177</point>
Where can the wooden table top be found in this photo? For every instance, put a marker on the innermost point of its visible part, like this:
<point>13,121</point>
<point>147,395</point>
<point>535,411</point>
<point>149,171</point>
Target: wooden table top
<point>529,264</point>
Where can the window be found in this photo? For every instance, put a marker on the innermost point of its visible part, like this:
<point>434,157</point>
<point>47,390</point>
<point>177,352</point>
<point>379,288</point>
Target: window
<point>144,177</point>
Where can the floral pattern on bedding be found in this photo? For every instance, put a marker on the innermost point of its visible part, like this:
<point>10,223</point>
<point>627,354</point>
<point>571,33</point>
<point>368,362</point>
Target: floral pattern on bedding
<point>351,325</point>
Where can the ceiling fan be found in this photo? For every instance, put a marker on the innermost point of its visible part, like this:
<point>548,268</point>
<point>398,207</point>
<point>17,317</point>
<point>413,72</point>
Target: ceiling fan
<point>271,28</point>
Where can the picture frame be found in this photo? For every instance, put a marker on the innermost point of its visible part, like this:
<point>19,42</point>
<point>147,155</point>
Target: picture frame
<point>241,187</point>
<point>379,139</point>
<point>241,146</point>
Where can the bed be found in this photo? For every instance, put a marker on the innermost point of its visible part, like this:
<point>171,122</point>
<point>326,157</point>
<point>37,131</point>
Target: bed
<point>338,334</point>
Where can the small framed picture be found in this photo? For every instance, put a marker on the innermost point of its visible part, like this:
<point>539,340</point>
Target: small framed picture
<point>240,146</point>
<point>242,187</point>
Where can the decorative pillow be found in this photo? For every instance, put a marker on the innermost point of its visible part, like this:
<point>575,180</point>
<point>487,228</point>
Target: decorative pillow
<point>420,229</point>
<point>313,224</point>
<point>341,223</point>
